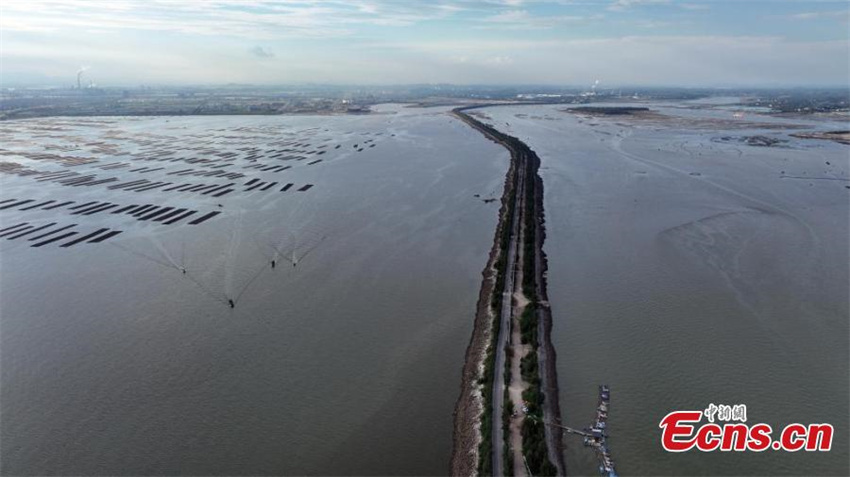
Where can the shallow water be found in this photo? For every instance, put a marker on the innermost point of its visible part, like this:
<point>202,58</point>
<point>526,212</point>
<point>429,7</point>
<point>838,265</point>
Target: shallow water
<point>114,362</point>
<point>686,270</point>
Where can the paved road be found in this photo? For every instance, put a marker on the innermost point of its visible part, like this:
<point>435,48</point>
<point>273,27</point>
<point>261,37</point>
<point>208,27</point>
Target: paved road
<point>520,160</point>
<point>505,319</point>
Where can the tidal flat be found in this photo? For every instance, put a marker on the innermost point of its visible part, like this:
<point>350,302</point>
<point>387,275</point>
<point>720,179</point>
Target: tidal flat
<point>294,294</point>
<point>125,357</point>
<point>691,264</point>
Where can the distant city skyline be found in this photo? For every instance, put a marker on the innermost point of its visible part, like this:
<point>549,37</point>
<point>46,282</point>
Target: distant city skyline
<point>547,42</point>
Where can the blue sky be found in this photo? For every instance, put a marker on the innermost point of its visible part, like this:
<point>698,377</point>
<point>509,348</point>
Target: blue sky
<point>557,42</point>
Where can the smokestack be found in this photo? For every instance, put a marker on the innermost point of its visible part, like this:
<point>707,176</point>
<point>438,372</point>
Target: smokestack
<point>80,76</point>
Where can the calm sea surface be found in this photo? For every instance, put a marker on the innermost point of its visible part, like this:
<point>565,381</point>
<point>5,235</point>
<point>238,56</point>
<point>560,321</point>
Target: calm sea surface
<point>684,269</point>
<point>114,362</point>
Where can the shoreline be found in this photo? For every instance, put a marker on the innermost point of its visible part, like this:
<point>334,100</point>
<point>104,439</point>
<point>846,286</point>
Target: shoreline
<point>470,405</point>
<point>548,356</point>
<point>470,410</point>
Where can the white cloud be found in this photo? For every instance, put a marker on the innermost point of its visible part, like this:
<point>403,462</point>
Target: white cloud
<point>659,60</point>
<point>389,41</point>
<point>621,5</point>
<point>509,16</point>
<point>244,19</point>
<point>652,24</point>
<point>261,52</point>
<point>499,61</point>
<point>523,20</point>
<point>837,14</point>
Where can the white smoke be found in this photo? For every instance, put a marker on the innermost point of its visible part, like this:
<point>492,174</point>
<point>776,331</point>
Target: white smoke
<point>80,72</point>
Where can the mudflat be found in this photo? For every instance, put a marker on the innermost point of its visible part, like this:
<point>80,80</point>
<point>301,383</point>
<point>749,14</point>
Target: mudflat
<point>345,357</point>
<point>688,265</point>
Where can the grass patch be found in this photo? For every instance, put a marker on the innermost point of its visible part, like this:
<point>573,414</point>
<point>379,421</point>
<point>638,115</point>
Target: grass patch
<point>533,429</point>
<point>528,325</point>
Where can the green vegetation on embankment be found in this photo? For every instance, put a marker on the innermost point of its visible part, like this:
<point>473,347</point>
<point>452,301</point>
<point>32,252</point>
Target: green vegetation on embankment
<point>525,162</point>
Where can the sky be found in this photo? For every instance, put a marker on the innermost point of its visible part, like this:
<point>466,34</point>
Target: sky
<point>546,42</point>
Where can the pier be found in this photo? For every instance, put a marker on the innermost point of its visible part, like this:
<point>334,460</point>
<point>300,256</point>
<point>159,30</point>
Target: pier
<point>596,435</point>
